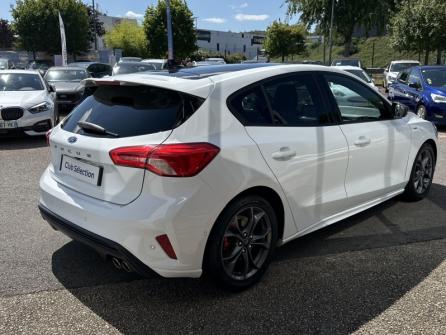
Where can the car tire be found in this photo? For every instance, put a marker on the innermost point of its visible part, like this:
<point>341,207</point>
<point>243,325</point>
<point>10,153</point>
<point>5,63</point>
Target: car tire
<point>421,175</point>
<point>242,243</point>
<point>421,112</point>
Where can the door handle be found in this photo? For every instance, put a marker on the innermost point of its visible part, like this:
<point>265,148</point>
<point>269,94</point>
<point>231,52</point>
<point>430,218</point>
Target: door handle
<point>283,154</point>
<point>362,141</point>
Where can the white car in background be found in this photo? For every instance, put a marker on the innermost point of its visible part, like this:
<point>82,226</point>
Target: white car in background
<point>209,169</point>
<point>159,64</point>
<point>26,103</point>
<point>360,73</point>
<point>391,72</point>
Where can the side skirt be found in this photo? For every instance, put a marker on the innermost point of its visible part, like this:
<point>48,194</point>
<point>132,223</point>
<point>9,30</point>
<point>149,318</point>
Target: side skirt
<point>342,215</point>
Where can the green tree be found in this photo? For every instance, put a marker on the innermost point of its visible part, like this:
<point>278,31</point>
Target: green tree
<point>420,26</point>
<point>37,24</point>
<point>6,35</point>
<point>348,14</point>
<point>155,27</point>
<point>95,26</point>
<point>129,37</point>
<point>283,39</point>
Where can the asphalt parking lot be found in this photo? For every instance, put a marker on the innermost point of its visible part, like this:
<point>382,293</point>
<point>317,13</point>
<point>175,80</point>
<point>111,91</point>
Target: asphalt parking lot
<point>382,271</point>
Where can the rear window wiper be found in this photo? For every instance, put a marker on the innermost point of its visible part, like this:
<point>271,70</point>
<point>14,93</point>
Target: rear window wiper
<point>94,128</point>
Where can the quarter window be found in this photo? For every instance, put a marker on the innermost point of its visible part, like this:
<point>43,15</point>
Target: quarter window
<point>356,102</point>
<point>251,108</point>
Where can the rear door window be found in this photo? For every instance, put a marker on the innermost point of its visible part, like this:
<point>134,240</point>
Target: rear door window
<point>132,111</point>
<point>295,101</point>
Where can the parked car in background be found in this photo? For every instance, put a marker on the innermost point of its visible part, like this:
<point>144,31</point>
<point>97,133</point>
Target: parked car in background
<point>129,59</point>
<point>94,69</point>
<point>40,65</point>
<point>132,67</point>
<point>423,90</point>
<point>160,64</point>
<point>135,168</point>
<point>6,63</point>
<point>395,67</point>
<point>360,73</point>
<point>215,60</point>
<point>67,82</point>
<point>347,62</point>
<point>26,103</point>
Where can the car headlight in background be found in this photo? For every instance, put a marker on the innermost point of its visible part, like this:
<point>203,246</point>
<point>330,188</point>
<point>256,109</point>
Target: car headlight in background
<point>438,98</point>
<point>40,108</point>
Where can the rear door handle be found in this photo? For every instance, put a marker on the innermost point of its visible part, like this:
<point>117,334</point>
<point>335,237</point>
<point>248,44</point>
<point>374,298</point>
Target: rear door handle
<point>283,154</point>
<point>362,141</point>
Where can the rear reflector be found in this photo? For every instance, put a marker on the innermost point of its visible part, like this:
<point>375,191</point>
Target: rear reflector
<point>171,160</point>
<point>164,242</point>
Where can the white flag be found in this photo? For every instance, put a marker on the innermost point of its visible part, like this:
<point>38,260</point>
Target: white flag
<point>63,42</point>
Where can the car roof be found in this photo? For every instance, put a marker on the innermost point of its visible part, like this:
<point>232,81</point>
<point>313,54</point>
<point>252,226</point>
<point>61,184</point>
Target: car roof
<point>20,71</point>
<point>430,67</point>
<point>203,85</point>
<point>211,70</point>
<point>349,67</point>
<point>404,61</point>
<point>66,68</point>
<point>133,64</point>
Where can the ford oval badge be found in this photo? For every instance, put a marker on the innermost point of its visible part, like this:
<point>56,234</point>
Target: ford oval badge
<point>72,139</point>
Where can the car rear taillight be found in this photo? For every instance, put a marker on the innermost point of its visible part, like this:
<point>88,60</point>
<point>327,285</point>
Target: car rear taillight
<point>47,136</point>
<point>171,160</point>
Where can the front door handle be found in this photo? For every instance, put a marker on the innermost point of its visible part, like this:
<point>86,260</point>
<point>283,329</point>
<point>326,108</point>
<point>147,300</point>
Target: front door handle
<point>362,141</point>
<point>283,154</point>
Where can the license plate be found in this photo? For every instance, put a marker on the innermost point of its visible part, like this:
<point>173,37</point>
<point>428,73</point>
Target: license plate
<point>8,124</point>
<point>80,170</point>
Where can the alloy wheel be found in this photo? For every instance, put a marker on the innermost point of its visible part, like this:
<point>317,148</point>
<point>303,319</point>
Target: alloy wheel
<point>246,243</point>
<point>423,171</point>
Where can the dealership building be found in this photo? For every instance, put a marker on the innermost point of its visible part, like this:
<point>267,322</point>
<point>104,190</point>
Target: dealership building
<point>227,42</point>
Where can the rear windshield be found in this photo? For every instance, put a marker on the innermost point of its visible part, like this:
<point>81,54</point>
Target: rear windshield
<point>132,111</point>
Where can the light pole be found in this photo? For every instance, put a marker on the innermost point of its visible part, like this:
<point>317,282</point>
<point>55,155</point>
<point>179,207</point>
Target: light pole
<point>95,35</point>
<point>330,37</point>
<point>170,58</point>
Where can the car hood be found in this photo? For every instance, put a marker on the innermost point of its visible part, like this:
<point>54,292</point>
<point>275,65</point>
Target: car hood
<point>438,90</point>
<point>24,99</point>
<point>392,74</point>
<point>67,86</point>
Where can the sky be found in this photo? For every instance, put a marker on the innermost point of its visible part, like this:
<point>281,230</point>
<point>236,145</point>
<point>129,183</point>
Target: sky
<point>223,15</point>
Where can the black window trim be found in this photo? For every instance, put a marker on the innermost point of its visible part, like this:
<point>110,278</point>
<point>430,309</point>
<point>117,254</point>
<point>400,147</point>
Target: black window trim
<point>334,103</point>
<point>260,83</point>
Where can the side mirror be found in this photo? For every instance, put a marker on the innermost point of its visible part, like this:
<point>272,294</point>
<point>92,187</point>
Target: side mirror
<point>399,110</point>
<point>415,85</point>
<point>52,89</point>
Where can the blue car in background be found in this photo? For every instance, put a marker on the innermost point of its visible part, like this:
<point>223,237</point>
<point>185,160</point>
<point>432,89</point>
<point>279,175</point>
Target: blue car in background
<point>423,90</point>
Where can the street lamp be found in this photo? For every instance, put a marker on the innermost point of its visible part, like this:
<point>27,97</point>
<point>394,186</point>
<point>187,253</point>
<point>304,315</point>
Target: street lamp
<point>170,58</point>
<point>330,37</point>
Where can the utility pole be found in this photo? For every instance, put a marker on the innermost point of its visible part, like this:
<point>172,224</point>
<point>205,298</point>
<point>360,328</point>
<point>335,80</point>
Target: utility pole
<point>170,58</point>
<point>95,35</point>
<point>330,42</point>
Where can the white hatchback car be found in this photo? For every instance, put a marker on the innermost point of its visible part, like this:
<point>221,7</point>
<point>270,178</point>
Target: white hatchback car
<point>202,170</point>
<point>26,103</point>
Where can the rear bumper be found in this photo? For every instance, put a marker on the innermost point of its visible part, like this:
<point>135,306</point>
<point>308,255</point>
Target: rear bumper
<point>102,245</point>
<point>135,226</point>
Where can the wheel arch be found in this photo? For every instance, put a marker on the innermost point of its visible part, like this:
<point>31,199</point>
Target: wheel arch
<point>268,194</point>
<point>434,147</point>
